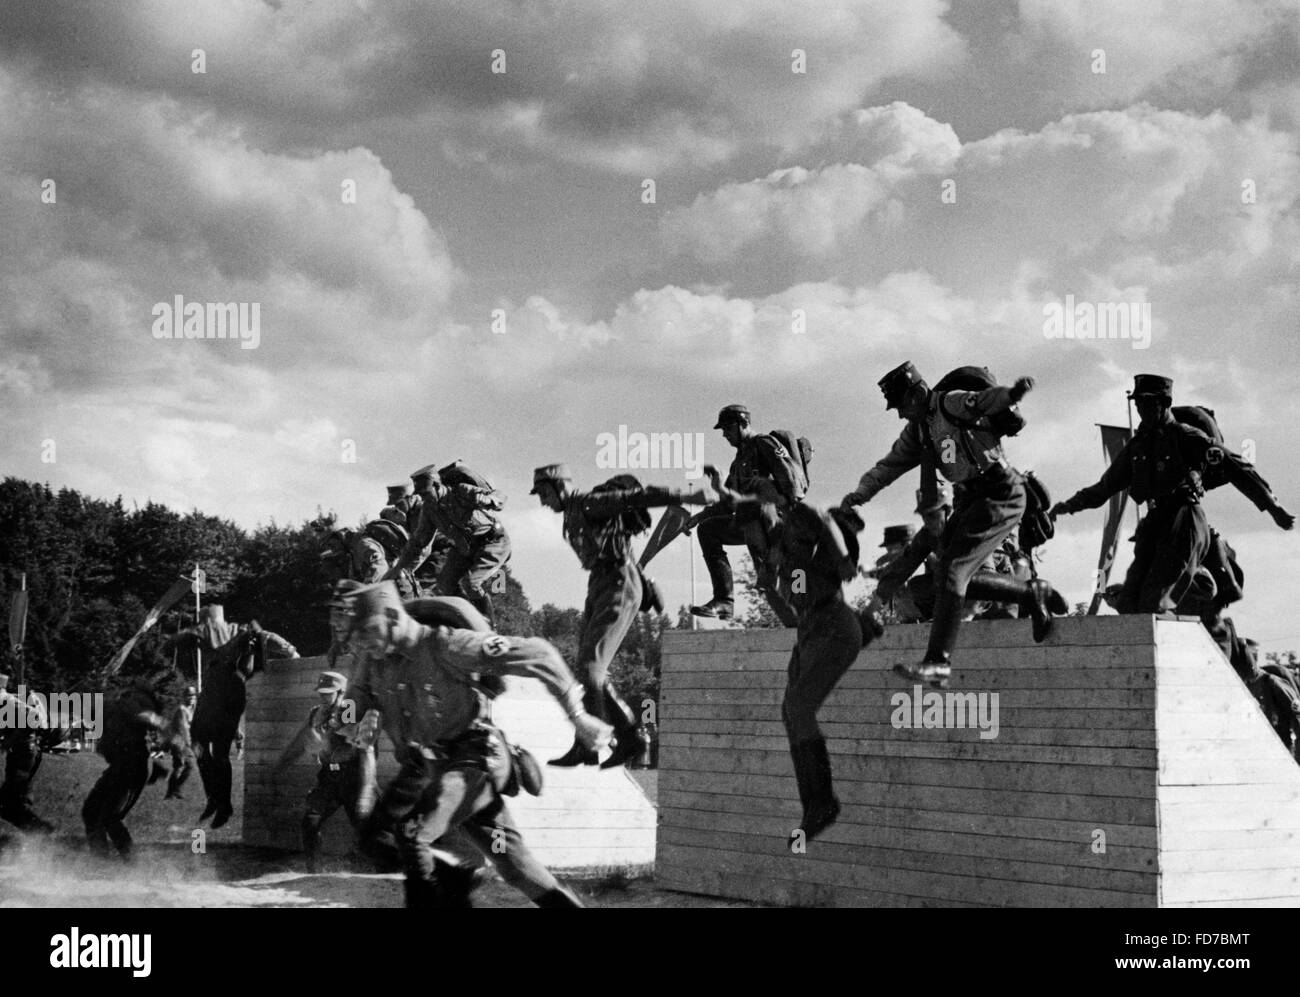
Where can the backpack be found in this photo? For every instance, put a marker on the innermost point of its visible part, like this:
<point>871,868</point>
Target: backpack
<point>459,473</point>
<point>798,455</point>
<point>631,521</point>
<point>1006,423</point>
<point>1202,418</point>
<point>388,535</point>
<point>1036,526</point>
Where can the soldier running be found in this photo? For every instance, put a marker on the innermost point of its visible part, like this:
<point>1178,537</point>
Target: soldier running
<point>463,513</point>
<point>346,777</point>
<point>178,743</point>
<point>762,468</point>
<point>132,725</point>
<point>950,433</point>
<point>422,684</point>
<point>594,528</point>
<point>1162,465</point>
<point>24,747</point>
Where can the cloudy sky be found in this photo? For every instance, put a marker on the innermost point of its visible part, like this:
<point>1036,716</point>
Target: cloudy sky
<point>917,181</point>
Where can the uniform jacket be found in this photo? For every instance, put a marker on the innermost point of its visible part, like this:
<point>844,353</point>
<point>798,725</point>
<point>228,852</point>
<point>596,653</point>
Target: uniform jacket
<point>591,525</point>
<point>761,459</point>
<point>937,442</point>
<point>462,513</point>
<point>430,696</point>
<point>1165,459</point>
<point>222,701</point>
<point>132,722</point>
<point>807,554</point>
<point>178,726</point>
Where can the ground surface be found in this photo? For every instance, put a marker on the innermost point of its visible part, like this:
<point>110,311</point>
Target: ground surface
<point>170,871</point>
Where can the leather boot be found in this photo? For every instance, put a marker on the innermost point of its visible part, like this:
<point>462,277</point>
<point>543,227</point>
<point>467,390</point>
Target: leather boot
<point>621,716</point>
<point>1035,597</point>
<point>722,609</point>
<point>311,841</point>
<point>813,773</point>
<point>577,754</point>
<point>935,668</point>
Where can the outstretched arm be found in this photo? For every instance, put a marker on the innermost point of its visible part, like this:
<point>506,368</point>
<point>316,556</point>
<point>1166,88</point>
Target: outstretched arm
<point>469,652</point>
<point>906,453</point>
<point>1116,478</point>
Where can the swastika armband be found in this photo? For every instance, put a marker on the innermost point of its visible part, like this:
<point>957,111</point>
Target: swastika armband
<point>495,646</point>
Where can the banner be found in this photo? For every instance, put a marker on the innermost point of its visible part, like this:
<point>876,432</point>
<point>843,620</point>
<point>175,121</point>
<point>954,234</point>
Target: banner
<point>1113,440</point>
<point>178,589</point>
<point>18,620</point>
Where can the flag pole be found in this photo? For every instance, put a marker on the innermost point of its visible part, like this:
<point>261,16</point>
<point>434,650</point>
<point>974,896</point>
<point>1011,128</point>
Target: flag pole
<point>21,657</point>
<point>198,644</point>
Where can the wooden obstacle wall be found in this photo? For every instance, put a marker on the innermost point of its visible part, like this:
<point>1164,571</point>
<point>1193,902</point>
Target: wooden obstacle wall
<point>1130,768</point>
<point>585,819</point>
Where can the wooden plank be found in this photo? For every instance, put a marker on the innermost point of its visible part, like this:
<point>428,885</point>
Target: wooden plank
<point>1011,716</point>
<point>1076,850</point>
<point>918,745</point>
<point>1098,874</point>
<point>869,819</point>
<point>762,794</point>
<point>936,772</point>
<point>846,732</point>
<point>1000,679</point>
<point>880,698</point>
<point>910,882</point>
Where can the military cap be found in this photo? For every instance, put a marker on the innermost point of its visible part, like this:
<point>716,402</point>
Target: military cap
<point>331,682</point>
<point>896,383</point>
<point>344,590</point>
<point>551,473</point>
<point>898,535</point>
<point>429,472</point>
<point>393,515</point>
<point>730,414</point>
<point>375,600</point>
<point>927,500</point>
<point>398,492</point>
<point>1152,384</point>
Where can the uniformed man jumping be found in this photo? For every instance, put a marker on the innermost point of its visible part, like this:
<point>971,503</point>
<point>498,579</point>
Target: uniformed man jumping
<point>593,528</point>
<point>421,684</point>
<point>817,554</point>
<point>464,514</point>
<point>232,654</point>
<point>761,468</point>
<point>950,433</point>
<point>1162,465</point>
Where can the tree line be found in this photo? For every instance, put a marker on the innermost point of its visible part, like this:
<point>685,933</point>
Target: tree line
<point>94,568</point>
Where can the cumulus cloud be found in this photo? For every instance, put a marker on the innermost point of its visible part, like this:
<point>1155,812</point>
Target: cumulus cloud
<point>624,87</point>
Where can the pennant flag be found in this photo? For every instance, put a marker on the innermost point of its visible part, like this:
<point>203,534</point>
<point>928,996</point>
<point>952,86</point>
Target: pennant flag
<point>1113,440</point>
<point>18,620</point>
<point>173,594</point>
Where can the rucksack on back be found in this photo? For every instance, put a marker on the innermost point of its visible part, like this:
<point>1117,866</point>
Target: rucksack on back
<point>800,452</point>
<point>1006,423</point>
<point>630,521</point>
<point>459,473</point>
<point>1202,418</point>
